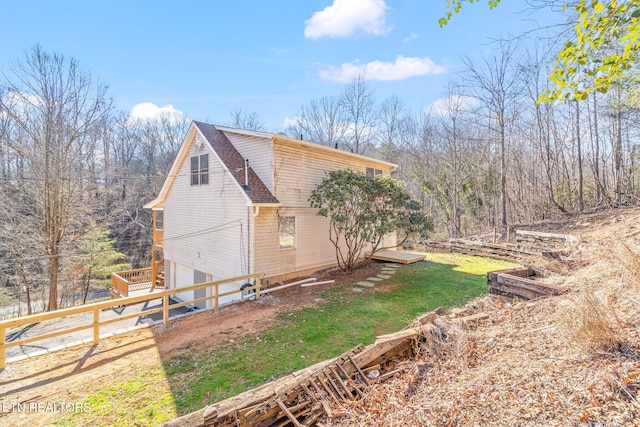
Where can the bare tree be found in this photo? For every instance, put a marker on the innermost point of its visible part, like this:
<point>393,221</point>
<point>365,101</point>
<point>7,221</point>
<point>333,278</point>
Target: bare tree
<point>495,83</point>
<point>241,119</point>
<point>391,118</point>
<point>358,106</point>
<point>140,153</point>
<point>321,121</point>
<point>58,108</point>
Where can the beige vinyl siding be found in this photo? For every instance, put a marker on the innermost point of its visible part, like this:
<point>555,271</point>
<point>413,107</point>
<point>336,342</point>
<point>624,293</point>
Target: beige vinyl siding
<point>313,248</point>
<point>259,151</point>
<point>205,226</point>
<point>297,172</point>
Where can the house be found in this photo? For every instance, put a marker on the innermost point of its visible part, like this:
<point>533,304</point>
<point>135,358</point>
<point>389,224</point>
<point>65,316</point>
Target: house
<point>235,202</point>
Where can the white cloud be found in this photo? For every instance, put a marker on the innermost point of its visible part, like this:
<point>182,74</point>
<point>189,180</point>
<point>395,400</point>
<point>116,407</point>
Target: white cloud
<point>410,37</point>
<point>402,68</point>
<point>150,111</point>
<point>292,122</point>
<point>21,101</point>
<point>346,17</point>
<point>281,51</point>
<point>444,106</point>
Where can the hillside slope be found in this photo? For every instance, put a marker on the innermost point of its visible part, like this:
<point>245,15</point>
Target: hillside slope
<point>565,361</point>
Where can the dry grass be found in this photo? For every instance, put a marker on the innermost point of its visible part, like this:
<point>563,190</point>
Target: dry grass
<point>566,361</point>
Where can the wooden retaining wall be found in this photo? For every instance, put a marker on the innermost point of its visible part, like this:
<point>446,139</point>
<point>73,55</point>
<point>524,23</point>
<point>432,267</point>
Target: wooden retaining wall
<point>527,244</point>
<point>520,283</point>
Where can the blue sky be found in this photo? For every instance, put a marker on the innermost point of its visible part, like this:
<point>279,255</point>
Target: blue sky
<point>207,58</point>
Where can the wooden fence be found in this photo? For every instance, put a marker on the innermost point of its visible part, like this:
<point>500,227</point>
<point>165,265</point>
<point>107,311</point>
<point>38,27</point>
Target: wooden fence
<point>95,308</point>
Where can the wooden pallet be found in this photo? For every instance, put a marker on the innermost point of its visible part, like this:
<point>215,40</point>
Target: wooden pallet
<point>303,402</point>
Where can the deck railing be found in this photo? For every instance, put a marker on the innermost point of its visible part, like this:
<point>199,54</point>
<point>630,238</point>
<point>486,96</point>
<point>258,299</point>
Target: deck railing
<point>97,307</point>
<point>121,280</point>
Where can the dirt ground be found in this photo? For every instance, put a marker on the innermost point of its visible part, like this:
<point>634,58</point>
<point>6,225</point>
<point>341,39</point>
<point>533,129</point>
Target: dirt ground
<point>68,375</point>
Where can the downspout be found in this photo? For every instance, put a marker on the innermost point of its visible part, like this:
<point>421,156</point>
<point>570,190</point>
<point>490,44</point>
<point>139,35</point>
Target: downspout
<point>248,239</point>
<point>249,231</point>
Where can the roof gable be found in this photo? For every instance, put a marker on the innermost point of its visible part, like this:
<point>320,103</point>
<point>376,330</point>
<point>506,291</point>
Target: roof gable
<point>255,193</point>
<point>256,190</point>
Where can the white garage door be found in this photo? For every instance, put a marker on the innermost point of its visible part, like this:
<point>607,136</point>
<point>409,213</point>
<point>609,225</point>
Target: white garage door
<point>184,277</point>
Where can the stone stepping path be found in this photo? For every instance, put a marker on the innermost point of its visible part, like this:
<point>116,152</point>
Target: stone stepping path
<point>365,284</point>
<point>388,269</point>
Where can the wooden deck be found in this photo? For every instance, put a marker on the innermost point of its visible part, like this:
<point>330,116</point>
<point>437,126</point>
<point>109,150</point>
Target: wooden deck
<point>398,257</point>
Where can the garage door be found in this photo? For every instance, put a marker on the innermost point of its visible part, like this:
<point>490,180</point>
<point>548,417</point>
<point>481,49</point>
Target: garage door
<point>184,277</point>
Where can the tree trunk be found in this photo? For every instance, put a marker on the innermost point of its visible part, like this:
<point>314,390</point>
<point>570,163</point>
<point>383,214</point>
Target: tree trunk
<point>618,158</point>
<point>54,268</point>
<point>579,148</point>
<point>503,175</point>
<point>87,283</point>
<point>596,153</point>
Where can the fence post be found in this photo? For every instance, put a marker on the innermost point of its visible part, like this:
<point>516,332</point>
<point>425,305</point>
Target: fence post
<point>215,300</point>
<point>3,351</point>
<point>258,284</point>
<point>165,311</point>
<point>96,325</point>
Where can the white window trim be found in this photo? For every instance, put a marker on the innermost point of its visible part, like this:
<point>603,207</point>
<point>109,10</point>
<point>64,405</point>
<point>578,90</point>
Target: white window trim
<point>295,233</point>
<point>198,172</point>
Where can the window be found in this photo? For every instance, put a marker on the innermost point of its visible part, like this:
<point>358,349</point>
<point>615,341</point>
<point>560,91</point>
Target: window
<point>287,230</point>
<point>373,173</point>
<point>200,169</point>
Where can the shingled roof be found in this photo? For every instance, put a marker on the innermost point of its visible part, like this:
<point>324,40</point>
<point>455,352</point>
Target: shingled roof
<point>257,191</point>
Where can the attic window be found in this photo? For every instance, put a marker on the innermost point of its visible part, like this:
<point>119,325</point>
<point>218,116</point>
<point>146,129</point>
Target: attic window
<point>373,173</point>
<point>200,169</point>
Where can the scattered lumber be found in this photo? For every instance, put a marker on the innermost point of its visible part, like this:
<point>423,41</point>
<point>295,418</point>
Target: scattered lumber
<point>304,397</point>
<point>537,235</point>
<point>471,319</point>
<point>426,318</point>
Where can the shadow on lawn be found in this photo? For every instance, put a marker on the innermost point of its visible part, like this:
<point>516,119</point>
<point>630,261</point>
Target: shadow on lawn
<point>304,328</point>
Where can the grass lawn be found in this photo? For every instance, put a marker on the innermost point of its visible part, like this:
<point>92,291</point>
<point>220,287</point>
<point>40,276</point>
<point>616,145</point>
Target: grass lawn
<point>201,376</point>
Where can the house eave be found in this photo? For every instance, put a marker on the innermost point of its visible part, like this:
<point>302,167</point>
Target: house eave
<point>155,204</point>
<point>267,205</point>
<point>285,140</point>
